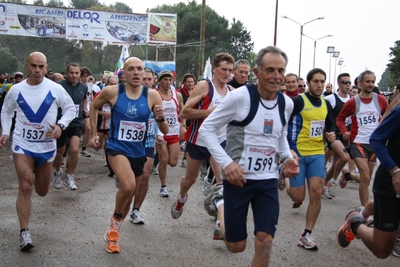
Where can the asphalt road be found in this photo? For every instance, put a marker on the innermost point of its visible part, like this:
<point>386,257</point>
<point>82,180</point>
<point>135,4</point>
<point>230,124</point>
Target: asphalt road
<point>67,227</point>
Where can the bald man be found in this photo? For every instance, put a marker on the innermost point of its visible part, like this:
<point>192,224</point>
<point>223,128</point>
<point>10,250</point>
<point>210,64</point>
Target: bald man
<point>36,101</point>
<point>125,147</point>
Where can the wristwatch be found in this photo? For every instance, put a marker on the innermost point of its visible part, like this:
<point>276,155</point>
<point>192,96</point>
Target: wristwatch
<point>62,126</point>
<point>161,120</point>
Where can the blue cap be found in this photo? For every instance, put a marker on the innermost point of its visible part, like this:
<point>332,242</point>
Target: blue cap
<point>120,73</point>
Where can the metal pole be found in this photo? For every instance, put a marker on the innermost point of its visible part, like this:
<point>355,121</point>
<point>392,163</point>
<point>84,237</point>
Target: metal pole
<point>315,48</point>
<point>301,41</point>
<point>202,37</point>
<point>330,58</point>
<point>276,22</point>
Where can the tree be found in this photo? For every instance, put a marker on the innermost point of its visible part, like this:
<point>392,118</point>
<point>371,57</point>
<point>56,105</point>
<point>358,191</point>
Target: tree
<point>394,65</point>
<point>38,3</point>
<point>219,36</point>
<point>55,3</point>
<point>121,7</point>
<point>384,83</point>
<point>84,4</point>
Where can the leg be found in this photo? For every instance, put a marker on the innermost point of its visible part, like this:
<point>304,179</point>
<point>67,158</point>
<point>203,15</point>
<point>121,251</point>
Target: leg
<point>379,242</point>
<point>262,247</point>
<point>73,155</point>
<point>315,192</point>
<point>24,168</point>
<point>42,178</point>
<point>365,178</point>
<point>173,154</point>
<point>58,158</point>
<point>191,173</point>
<point>86,133</point>
<point>216,169</point>
<point>162,152</point>
<point>143,186</point>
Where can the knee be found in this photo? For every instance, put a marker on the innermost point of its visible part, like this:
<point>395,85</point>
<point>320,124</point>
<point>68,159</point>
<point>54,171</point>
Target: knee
<point>26,187</point>
<point>382,254</point>
<point>264,243</point>
<point>42,191</point>
<point>235,247</point>
<point>73,150</point>
<point>345,157</point>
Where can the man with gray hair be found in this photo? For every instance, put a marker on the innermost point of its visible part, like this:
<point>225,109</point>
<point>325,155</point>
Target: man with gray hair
<point>241,72</point>
<point>249,159</point>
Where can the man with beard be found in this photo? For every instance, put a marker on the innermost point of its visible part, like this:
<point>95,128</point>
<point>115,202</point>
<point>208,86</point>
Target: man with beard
<point>310,121</point>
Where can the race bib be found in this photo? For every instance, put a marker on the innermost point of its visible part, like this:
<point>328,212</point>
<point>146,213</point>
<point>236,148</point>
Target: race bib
<point>259,160</point>
<point>150,125</point>
<point>317,128</point>
<point>171,118</point>
<point>35,132</point>
<point>131,131</point>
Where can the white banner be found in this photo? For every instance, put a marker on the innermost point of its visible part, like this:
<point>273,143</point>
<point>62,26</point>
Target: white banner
<point>86,25</point>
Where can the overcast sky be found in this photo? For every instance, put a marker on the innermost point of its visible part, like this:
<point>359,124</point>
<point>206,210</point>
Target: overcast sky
<point>363,31</point>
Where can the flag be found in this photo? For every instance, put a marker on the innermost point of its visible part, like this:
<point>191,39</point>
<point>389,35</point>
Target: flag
<point>124,55</point>
<point>207,70</point>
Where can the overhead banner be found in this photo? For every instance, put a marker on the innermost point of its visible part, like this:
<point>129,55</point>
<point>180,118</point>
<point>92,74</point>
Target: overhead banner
<point>159,66</point>
<point>90,25</point>
<point>32,21</point>
<point>162,28</point>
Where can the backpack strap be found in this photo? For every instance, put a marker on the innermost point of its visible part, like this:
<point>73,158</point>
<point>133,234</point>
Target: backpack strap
<point>254,102</point>
<point>374,99</point>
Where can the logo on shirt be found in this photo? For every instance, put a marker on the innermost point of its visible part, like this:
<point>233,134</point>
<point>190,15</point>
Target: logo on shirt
<point>131,111</point>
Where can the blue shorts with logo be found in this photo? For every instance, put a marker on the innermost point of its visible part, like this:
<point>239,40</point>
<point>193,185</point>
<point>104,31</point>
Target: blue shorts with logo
<point>310,166</point>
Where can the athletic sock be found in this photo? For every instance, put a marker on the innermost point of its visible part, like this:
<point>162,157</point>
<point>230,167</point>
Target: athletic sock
<point>117,215</point>
<point>306,231</point>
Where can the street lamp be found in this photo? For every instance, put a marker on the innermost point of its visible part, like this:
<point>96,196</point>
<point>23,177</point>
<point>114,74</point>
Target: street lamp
<point>330,50</point>
<point>337,63</point>
<point>315,44</point>
<point>301,34</point>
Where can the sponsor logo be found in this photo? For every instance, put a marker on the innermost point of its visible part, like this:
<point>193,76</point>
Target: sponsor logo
<point>3,7</point>
<point>85,26</point>
<point>37,126</point>
<point>49,12</point>
<point>2,23</point>
<point>15,27</point>
<point>79,14</point>
<point>168,28</point>
<point>72,35</point>
<point>85,34</point>
<point>74,26</point>
<point>136,125</point>
<point>265,151</point>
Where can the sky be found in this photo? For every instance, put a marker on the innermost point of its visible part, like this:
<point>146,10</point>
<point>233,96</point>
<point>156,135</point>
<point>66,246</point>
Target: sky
<point>362,31</point>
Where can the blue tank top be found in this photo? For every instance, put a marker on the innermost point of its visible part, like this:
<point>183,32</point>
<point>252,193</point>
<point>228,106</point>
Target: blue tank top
<point>129,124</point>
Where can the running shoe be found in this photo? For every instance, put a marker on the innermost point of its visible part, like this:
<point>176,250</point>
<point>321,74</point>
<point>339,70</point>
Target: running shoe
<point>343,181</point>
<point>296,205</point>
<point>25,241</point>
<point>183,163</point>
<point>307,242</point>
<point>345,235</point>
<point>217,234</point>
<point>135,217</point>
<point>86,154</point>
<point>70,182</point>
<point>154,171</point>
<point>281,179</point>
<point>325,193</point>
<point>332,188</point>
<point>207,186</point>
<point>113,230</point>
<point>216,193</point>
<point>57,183</point>
<point>177,208</point>
<point>164,192</point>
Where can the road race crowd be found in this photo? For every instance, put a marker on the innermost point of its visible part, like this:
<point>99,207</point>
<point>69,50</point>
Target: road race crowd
<point>245,140</point>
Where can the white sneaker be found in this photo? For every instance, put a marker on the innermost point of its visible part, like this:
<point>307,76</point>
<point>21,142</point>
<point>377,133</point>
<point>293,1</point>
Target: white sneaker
<point>135,217</point>
<point>154,171</point>
<point>70,182</point>
<point>325,193</point>
<point>356,170</point>
<point>332,188</point>
<point>57,179</point>
<point>25,241</point>
<point>86,154</point>
<point>164,192</point>
<point>207,186</point>
<point>183,163</point>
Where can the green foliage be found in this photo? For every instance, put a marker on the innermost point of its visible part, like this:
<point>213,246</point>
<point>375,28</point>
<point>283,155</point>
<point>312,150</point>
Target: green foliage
<point>384,83</point>
<point>9,63</point>
<point>394,65</point>
<point>121,7</point>
<point>84,4</point>
<point>55,3</point>
<point>38,3</point>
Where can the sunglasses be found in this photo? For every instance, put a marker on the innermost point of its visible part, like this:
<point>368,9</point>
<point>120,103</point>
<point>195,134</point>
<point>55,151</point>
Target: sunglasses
<point>302,85</point>
<point>345,82</point>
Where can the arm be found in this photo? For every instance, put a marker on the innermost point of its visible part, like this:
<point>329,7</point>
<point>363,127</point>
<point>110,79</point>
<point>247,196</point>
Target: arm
<point>330,125</point>
<point>199,92</point>
<point>155,104</point>
<point>67,106</point>
<point>348,109</point>
<point>180,100</point>
<point>7,112</point>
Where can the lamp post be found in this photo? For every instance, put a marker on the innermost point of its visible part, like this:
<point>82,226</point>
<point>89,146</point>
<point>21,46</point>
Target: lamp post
<point>330,51</point>
<point>301,34</point>
<point>315,44</point>
<point>337,63</point>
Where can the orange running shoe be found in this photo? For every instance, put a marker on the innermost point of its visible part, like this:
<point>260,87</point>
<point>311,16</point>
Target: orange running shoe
<point>346,234</point>
<point>113,230</point>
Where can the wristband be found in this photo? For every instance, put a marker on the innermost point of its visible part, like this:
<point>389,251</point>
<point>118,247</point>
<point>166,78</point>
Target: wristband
<point>396,170</point>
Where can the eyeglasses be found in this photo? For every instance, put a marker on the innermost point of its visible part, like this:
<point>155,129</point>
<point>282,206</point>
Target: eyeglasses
<point>345,82</point>
<point>302,85</point>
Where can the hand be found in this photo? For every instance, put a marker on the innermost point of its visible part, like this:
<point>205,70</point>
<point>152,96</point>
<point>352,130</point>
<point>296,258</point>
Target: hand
<point>107,114</point>
<point>56,131</point>
<point>331,136</point>
<point>291,168</point>
<point>346,136</point>
<point>235,174</point>
<point>158,112</point>
<point>396,182</point>
<point>159,140</point>
<point>3,140</point>
<point>95,143</point>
